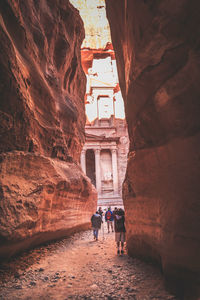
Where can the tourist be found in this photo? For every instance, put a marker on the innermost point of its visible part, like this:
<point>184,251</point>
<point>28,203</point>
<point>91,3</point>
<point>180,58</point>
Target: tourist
<point>120,230</point>
<point>109,219</point>
<point>100,211</point>
<point>115,212</point>
<point>96,224</point>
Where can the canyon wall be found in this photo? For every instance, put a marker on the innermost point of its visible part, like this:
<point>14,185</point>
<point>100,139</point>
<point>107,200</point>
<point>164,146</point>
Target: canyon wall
<point>157,51</point>
<point>43,192</point>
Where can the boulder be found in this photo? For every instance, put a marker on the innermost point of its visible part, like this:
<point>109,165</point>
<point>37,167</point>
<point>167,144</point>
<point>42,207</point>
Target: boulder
<point>41,199</point>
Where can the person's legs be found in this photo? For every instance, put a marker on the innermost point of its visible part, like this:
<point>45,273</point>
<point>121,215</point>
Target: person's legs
<point>117,239</point>
<point>108,225</point>
<point>122,248</point>
<point>96,234</point>
<point>118,251</point>
<point>111,225</point>
<point>122,242</point>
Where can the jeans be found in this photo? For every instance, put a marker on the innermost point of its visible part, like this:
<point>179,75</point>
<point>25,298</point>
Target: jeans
<point>95,232</point>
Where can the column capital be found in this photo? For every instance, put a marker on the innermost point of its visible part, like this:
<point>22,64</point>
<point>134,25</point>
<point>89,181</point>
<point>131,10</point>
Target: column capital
<point>114,150</point>
<point>97,151</point>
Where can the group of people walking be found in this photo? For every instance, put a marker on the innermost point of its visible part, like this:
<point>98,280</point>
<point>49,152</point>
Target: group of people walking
<point>115,222</point>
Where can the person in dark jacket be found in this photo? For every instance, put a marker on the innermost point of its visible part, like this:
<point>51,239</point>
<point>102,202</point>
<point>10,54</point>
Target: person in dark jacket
<point>96,224</point>
<point>115,211</point>
<point>120,230</point>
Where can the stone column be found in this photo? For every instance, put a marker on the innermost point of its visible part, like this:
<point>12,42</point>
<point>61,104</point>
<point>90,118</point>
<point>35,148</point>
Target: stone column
<point>98,170</point>
<point>115,171</point>
<point>83,161</point>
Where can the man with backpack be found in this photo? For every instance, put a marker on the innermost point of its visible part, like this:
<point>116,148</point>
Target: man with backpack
<point>109,219</point>
<point>120,230</point>
<point>96,224</point>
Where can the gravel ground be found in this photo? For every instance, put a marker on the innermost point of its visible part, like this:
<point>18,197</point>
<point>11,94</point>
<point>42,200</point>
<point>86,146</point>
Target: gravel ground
<point>80,268</point>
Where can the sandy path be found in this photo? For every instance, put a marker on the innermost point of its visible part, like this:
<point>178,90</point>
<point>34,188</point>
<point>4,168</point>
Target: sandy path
<point>80,268</point>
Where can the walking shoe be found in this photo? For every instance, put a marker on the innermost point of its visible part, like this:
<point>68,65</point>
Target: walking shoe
<point>122,252</point>
<point>118,252</point>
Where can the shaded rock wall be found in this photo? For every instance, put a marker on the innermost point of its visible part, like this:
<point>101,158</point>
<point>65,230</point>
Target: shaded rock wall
<point>157,51</point>
<point>40,69</point>
<point>42,188</point>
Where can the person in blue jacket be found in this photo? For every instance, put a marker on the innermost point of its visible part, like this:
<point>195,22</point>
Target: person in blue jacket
<point>109,219</point>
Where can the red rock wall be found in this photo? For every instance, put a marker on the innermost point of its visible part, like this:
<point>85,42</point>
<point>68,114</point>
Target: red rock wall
<point>157,51</point>
<point>43,191</point>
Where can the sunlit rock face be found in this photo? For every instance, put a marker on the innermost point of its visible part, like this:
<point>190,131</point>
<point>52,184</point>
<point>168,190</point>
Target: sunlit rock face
<point>157,51</point>
<point>97,31</point>
<point>43,191</point>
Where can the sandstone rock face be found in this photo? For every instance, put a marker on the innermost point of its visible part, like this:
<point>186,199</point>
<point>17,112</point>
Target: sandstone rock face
<point>157,51</point>
<point>42,188</point>
<point>42,108</point>
<point>41,199</point>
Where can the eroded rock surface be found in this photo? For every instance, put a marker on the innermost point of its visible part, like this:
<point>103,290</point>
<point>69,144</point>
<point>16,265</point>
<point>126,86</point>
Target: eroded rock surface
<point>42,188</point>
<point>42,199</point>
<point>43,83</point>
<point>157,51</point>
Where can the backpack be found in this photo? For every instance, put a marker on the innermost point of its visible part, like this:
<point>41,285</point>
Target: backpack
<point>120,224</point>
<point>108,215</point>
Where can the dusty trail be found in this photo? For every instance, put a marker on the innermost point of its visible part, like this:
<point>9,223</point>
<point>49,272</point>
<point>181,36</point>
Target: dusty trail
<point>80,268</point>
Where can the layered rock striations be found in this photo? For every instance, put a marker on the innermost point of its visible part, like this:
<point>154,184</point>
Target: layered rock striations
<point>157,51</point>
<point>43,192</point>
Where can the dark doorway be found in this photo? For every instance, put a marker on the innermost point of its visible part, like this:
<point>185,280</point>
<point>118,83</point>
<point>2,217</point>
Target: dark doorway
<point>90,166</point>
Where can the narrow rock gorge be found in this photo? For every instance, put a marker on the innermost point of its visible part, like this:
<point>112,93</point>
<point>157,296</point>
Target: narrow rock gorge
<point>157,50</point>
<point>43,192</point>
